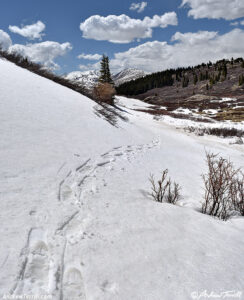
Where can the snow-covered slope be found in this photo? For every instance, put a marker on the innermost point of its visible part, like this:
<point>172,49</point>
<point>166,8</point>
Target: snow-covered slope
<point>77,221</point>
<point>90,78</point>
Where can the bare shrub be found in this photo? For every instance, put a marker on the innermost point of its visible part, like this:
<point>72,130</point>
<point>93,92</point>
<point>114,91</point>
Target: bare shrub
<point>173,194</point>
<point>104,92</point>
<point>223,188</point>
<point>222,132</point>
<point>159,189</point>
<point>237,194</point>
<point>163,190</point>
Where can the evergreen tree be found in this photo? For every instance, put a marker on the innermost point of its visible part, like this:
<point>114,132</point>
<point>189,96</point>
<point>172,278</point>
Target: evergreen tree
<point>217,77</point>
<point>241,80</point>
<point>105,75</point>
<point>195,79</point>
<point>224,71</point>
<point>185,81</point>
<point>102,77</point>
<point>108,74</point>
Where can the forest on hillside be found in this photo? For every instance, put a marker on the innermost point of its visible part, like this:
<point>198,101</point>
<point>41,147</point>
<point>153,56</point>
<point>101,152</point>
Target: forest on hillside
<point>213,72</point>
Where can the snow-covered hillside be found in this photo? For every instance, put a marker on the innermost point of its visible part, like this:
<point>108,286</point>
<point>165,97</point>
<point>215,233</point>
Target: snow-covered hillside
<point>90,78</point>
<point>77,221</point>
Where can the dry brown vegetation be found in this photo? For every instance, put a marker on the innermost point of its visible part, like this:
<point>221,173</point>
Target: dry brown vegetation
<point>104,92</point>
<point>164,190</point>
<point>199,105</point>
<point>222,132</point>
<point>224,188</point>
<point>163,112</point>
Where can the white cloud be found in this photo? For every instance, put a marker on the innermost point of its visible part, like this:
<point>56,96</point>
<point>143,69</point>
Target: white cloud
<point>86,67</point>
<point>188,49</point>
<point>89,67</point>
<point>139,7</point>
<point>90,56</point>
<point>5,40</point>
<point>44,52</point>
<point>31,32</point>
<point>234,23</point>
<point>123,29</point>
<point>194,39</point>
<point>242,22</point>
<point>215,9</point>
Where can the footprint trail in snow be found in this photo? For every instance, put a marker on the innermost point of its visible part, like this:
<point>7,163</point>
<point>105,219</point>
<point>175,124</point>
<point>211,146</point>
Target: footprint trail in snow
<point>51,263</point>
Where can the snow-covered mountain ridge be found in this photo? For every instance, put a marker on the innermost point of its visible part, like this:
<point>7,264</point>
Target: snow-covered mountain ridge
<point>77,220</point>
<point>127,75</point>
<point>86,78</point>
<point>90,78</point>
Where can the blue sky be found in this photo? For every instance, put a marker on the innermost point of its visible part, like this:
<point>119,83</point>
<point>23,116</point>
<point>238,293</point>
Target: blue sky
<point>213,25</point>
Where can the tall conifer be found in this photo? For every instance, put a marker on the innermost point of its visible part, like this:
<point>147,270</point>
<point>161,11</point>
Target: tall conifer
<point>105,75</point>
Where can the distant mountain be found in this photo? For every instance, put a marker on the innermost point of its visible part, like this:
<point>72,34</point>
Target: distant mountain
<point>86,78</point>
<point>90,78</point>
<point>128,75</point>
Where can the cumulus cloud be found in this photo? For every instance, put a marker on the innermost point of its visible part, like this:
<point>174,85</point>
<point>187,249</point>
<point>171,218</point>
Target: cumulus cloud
<point>242,22</point>
<point>5,40</point>
<point>123,29</point>
<point>139,7</point>
<point>90,56</point>
<point>194,39</point>
<point>43,53</point>
<point>31,32</point>
<point>215,9</point>
<point>187,49</point>
<point>89,67</point>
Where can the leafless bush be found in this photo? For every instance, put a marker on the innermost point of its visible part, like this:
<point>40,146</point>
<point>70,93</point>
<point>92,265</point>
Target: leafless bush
<point>159,189</point>
<point>223,188</point>
<point>104,92</point>
<point>173,194</point>
<point>223,132</point>
<point>163,190</point>
<point>237,194</point>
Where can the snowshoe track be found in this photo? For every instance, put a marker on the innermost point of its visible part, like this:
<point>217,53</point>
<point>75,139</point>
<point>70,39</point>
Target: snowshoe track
<point>85,179</point>
<point>42,273</point>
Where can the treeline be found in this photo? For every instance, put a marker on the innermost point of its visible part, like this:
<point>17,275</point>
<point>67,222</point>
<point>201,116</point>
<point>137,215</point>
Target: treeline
<point>40,70</point>
<point>151,81</point>
<point>213,72</point>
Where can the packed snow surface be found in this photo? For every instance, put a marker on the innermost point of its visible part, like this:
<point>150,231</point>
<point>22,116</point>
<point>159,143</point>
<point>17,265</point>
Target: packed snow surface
<point>77,220</point>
